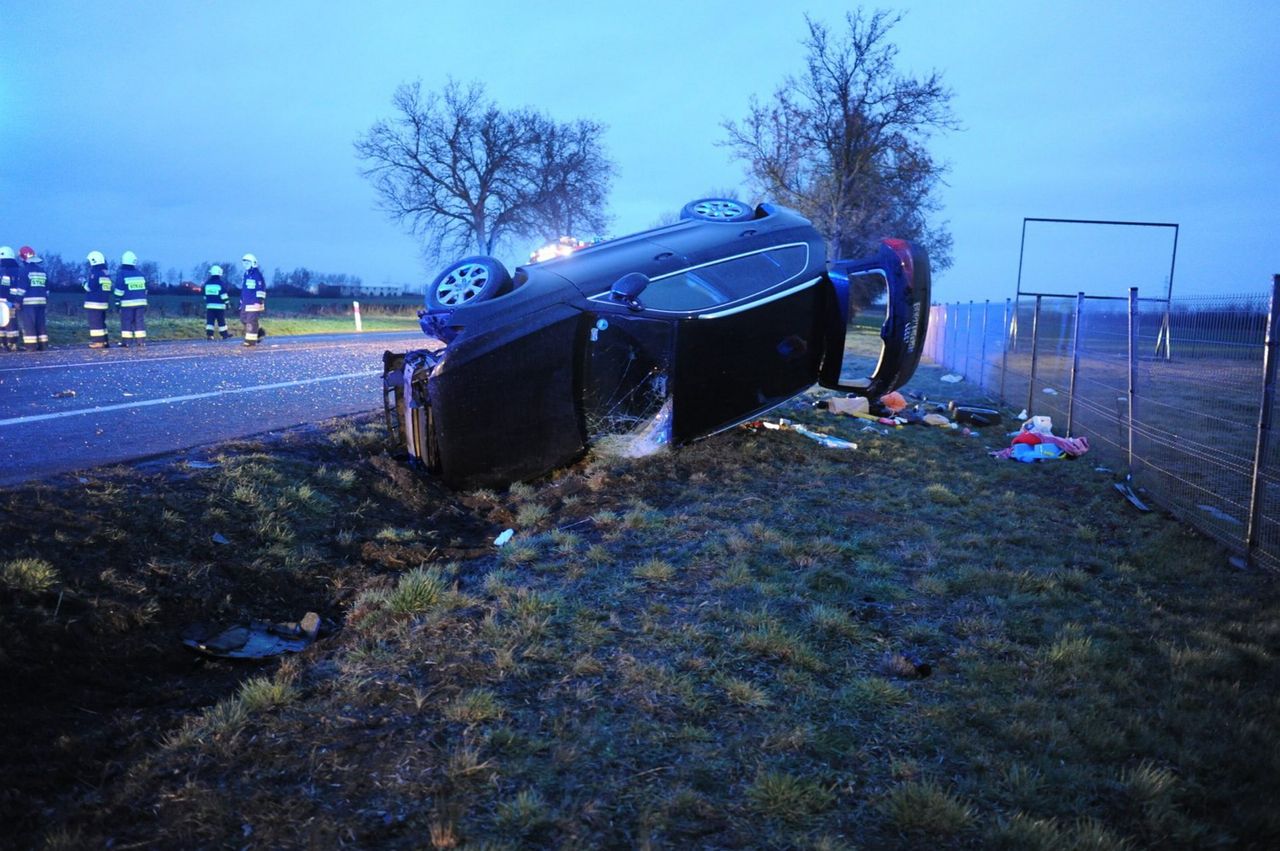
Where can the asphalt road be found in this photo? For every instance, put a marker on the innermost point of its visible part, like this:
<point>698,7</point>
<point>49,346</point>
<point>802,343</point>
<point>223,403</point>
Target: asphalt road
<point>73,408</point>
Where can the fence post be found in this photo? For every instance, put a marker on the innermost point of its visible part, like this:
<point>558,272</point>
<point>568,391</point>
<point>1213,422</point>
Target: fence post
<point>946,336</point>
<point>1035,338</point>
<point>1004,358</point>
<point>1133,370</point>
<point>1263,439</point>
<point>968,332</point>
<point>1075,364</point>
<point>982,358</point>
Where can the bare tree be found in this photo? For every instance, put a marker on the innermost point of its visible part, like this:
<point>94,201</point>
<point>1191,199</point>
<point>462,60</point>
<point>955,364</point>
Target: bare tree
<point>467,175</point>
<point>845,143</point>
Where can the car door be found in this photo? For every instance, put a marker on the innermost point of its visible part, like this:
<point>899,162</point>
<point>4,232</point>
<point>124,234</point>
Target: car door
<point>747,334</point>
<point>902,268</point>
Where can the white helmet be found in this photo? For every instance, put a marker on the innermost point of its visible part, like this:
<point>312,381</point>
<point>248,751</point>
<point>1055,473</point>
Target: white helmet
<point>249,261</point>
<point>215,270</point>
<point>6,252</point>
<point>96,259</point>
<point>129,259</point>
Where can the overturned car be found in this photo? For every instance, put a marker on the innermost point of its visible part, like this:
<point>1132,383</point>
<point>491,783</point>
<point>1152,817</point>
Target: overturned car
<point>661,337</point>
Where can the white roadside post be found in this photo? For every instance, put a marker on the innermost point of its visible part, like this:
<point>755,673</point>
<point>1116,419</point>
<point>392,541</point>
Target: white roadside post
<point>359,325</point>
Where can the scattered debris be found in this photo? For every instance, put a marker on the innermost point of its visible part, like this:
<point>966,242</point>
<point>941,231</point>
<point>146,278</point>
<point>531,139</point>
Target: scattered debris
<point>1101,469</point>
<point>128,394</point>
<point>64,394</point>
<point>1238,563</point>
<point>219,538</point>
<point>1218,514</point>
<point>851,405</point>
<point>1035,441</point>
<point>978,415</point>
<point>256,639</point>
<point>894,401</point>
<point>1022,415</point>
<point>952,378</point>
<point>937,420</point>
<point>1049,391</point>
<point>502,539</point>
<point>825,439</point>
<point>201,465</point>
<point>1131,496</point>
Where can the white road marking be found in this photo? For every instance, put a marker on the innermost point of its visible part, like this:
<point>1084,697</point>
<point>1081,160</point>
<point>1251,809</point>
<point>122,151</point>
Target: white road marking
<point>188,398</point>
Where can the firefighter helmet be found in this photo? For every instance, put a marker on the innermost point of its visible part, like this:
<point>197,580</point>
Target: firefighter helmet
<point>95,258</point>
<point>249,261</point>
<point>26,252</point>
<point>6,253</point>
<point>129,259</point>
<point>215,270</point>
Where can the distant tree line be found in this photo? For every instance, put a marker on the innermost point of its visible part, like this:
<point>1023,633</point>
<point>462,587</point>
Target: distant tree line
<point>69,276</point>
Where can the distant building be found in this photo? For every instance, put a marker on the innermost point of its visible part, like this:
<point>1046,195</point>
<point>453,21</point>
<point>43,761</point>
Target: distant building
<point>361,290</point>
<point>379,290</point>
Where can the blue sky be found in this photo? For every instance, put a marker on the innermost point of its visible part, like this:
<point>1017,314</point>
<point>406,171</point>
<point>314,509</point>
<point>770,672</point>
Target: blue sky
<point>190,131</point>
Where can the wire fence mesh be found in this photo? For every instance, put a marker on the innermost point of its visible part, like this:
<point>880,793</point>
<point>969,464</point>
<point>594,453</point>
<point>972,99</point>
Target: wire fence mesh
<point>1192,370</point>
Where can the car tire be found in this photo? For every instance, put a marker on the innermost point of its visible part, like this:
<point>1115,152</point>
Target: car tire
<point>468,281</point>
<point>717,210</point>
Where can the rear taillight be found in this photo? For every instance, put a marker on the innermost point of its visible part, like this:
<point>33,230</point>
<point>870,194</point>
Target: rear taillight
<point>901,248</point>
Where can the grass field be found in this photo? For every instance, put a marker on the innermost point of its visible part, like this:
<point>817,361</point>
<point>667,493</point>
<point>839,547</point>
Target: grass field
<point>181,317</point>
<point>750,642</point>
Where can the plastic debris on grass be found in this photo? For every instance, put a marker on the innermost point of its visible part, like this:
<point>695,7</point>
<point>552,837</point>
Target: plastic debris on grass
<point>1218,514</point>
<point>64,394</point>
<point>952,378</point>
<point>254,640</point>
<point>219,538</point>
<point>504,538</point>
<point>827,440</point>
<point>1128,494</point>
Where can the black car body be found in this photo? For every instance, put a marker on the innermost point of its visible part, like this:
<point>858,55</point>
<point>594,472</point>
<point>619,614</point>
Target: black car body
<point>668,335</point>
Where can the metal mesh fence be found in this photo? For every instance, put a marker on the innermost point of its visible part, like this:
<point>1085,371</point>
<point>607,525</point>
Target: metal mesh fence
<point>1196,369</point>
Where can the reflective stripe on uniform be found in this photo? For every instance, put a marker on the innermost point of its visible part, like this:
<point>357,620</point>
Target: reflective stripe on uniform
<point>134,302</point>
<point>95,305</point>
<point>35,299</point>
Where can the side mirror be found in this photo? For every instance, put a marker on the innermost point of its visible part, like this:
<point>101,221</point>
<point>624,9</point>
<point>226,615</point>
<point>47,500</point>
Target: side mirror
<point>627,289</point>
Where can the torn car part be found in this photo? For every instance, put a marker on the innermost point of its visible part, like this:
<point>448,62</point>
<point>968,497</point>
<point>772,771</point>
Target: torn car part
<point>256,639</point>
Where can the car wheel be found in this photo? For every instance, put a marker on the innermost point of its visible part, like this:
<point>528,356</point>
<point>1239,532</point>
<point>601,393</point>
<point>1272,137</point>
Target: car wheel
<point>717,210</point>
<point>470,280</point>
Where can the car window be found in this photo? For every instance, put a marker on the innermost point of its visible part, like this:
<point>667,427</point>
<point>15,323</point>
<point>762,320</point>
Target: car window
<point>727,281</point>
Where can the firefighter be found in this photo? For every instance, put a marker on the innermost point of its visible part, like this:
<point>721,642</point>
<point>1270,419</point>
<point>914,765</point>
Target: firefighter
<point>130,292</point>
<point>253,300</point>
<point>34,299</point>
<point>215,304</point>
<point>97,300</point>
<point>9,272</point>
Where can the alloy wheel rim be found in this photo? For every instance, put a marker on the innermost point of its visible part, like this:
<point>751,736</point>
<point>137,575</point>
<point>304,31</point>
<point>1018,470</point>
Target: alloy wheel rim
<point>718,209</point>
<point>462,284</point>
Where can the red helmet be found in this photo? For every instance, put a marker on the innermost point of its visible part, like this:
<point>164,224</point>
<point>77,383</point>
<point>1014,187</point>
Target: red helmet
<point>26,252</point>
